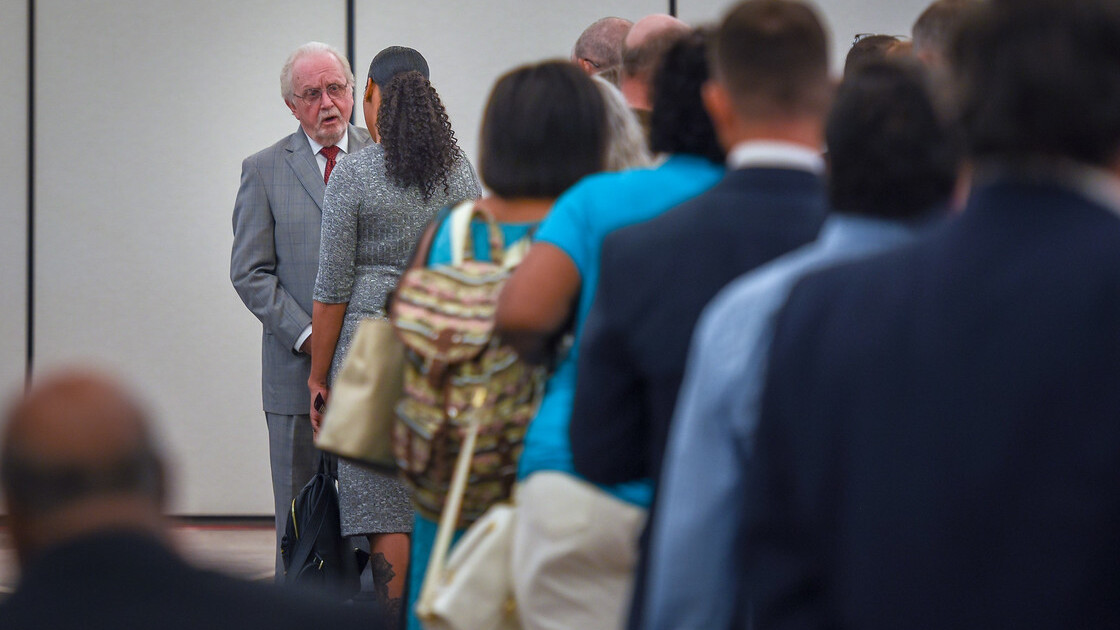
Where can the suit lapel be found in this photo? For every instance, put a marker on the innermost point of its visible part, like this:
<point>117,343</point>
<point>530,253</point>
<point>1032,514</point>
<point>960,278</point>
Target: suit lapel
<point>302,163</point>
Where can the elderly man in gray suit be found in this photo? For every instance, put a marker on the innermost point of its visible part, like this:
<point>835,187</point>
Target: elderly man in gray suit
<point>276,250</point>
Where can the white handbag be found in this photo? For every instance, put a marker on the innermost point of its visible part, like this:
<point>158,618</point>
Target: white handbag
<point>473,590</point>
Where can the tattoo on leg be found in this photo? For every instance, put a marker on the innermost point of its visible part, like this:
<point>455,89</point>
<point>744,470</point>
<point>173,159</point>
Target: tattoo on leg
<point>382,574</point>
<point>393,608</point>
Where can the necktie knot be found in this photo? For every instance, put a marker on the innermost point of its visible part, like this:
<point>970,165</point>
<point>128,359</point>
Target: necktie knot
<point>331,153</point>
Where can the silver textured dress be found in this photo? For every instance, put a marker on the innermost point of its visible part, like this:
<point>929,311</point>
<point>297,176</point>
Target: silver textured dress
<point>370,227</point>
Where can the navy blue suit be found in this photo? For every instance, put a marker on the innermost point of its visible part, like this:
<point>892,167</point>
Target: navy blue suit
<point>654,280</point>
<point>939,443</point>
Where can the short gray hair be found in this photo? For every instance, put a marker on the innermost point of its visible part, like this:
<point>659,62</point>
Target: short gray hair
<point>310,48</point>
<point>601,43</point>
<point>626,140</point>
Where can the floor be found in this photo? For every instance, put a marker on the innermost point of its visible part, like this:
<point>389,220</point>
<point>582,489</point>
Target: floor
<point>242,548</point>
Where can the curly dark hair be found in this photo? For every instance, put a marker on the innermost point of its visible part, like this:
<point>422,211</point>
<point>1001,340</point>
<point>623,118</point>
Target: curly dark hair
<point>679,123</point>
<point>420,147</point>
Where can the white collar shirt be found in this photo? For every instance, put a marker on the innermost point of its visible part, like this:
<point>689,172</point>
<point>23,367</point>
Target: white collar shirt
<point>320,159</point>
<point>775,154</point>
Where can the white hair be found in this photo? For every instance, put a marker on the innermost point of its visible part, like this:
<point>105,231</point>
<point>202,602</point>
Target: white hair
<point>310,48</point>
<point>626,140</point>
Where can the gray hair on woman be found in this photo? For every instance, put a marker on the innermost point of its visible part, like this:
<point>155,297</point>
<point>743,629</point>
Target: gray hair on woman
<point>626,141</point>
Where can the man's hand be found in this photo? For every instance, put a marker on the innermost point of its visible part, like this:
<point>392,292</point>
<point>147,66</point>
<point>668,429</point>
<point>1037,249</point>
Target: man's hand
<point>320,393</point>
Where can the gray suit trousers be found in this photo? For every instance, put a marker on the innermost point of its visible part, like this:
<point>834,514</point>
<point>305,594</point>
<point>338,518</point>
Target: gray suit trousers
<point>294,461</point>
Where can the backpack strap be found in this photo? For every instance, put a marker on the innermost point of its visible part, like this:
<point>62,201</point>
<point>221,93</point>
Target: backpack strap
<point>462,246</point>
<point>517,251</point>
<point>420,254</point>
<point>424,247</point>
<point>437,563</point>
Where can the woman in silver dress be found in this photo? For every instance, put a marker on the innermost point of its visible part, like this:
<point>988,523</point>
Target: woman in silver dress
<point>375,208</point>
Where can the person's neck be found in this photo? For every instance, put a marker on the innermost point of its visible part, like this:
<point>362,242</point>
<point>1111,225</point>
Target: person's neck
<point>516,209</point>
<point>636,92</point>
<point>802,131</point>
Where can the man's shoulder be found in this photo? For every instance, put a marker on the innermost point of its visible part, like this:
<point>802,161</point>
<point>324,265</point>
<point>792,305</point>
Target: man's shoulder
<point>851,302</point>
<point>361,136</point>
<point>274,151</point>
<point>840,283</point>
<point>65,594</point>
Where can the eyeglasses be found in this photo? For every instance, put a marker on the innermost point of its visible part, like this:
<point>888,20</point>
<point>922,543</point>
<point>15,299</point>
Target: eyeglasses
<point>335,90</point>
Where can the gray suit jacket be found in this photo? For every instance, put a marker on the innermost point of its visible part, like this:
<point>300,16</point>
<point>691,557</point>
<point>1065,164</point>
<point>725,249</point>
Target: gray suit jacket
<point>276,256</point>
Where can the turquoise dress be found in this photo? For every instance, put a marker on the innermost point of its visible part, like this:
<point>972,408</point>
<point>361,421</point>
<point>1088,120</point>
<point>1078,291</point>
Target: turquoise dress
<point>423,529</point>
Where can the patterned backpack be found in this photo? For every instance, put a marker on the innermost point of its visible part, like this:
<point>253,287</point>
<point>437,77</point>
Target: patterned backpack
<point>456,370</point>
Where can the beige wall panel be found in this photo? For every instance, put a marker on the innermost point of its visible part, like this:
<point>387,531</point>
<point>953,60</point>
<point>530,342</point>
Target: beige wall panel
<point>845,18</point>
<point>13,195</point>
<point>470,44</point>
<point>146,109</point>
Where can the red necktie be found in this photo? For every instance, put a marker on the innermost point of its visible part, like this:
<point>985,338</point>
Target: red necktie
<point>331,153</point>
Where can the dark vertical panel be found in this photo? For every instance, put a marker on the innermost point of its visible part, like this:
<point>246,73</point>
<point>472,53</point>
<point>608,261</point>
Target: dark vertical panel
<point>30,189</point>
<point>673,8</point>
<point>350,51</point>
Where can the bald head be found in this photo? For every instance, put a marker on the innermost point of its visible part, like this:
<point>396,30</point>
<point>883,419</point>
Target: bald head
<point>642,50</point>
<point>599,48</point>
<point>77,457</point>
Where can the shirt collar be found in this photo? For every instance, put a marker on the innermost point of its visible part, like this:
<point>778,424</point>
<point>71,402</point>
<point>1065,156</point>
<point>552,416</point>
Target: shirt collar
<point>775,154</point>
<point>342,144</point>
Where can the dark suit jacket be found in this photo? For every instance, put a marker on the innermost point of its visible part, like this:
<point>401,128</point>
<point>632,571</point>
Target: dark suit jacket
<point>939,443</point>
<point>655,278</point>
<point>129,581</point>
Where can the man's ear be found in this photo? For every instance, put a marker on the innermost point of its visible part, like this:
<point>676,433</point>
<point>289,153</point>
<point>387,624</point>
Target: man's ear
<point>291,107</point>
<point>718,104</point>
<point>586,66</point>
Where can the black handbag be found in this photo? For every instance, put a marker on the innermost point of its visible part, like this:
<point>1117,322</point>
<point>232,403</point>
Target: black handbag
<point>314,553</point>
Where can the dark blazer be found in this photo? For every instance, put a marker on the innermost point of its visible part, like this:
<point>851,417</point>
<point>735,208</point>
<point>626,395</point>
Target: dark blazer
<point>655,278</point>
<point>130,581</point>
<point>939,443</point>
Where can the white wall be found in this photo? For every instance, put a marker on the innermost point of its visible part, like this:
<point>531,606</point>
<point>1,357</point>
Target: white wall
<point>844,18</point>
<point>469,45</point>
<point>13,195</point>
<point>147,109</point>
